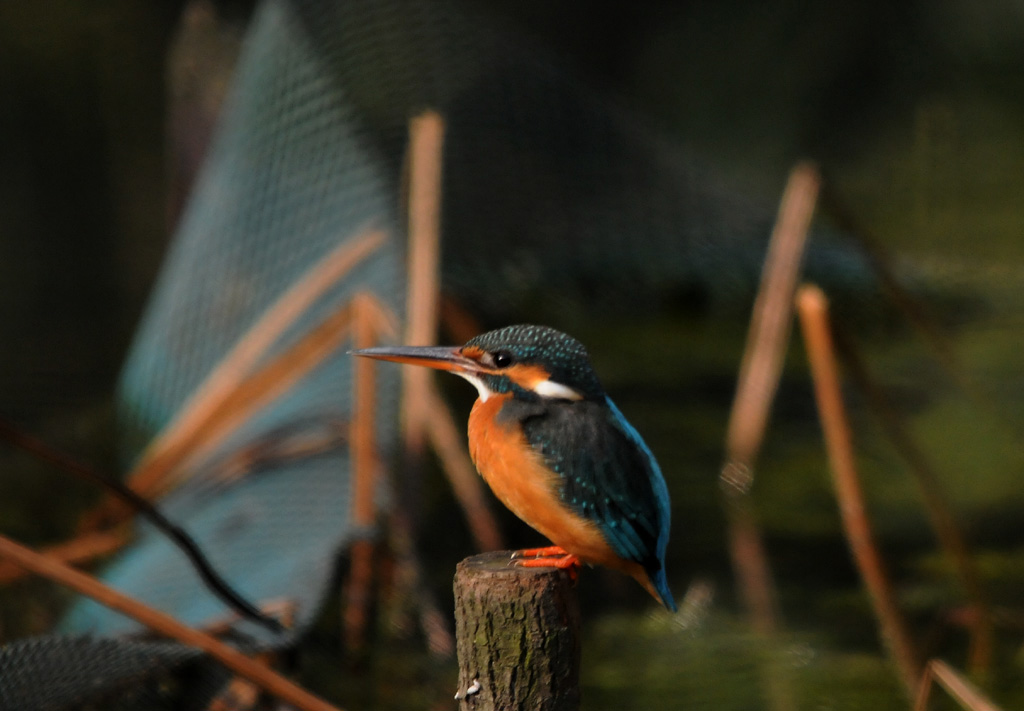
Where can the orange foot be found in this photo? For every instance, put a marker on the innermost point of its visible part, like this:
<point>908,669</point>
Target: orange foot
<point>547,551</point>
<point>564,561</point>
<point>552,557</point>
<point>547,557</point>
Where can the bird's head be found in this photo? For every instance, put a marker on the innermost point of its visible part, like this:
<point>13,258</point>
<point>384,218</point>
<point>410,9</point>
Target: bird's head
<point>528,362</point>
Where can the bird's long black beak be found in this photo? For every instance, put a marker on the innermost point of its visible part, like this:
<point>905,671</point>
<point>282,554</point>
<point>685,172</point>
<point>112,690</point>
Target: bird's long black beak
<point>439,357</point>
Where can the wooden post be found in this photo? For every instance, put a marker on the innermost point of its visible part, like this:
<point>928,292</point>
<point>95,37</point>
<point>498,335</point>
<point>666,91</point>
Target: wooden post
<point>517,636</point>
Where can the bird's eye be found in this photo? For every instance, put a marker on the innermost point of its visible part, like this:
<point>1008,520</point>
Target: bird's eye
<point>502,360</point>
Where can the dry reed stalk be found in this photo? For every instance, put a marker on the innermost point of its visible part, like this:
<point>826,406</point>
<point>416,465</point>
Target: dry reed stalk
<point>812,307</point>
<point>423,165</point>
<point>255,392</point>
<point>963,691</point>
<point>750,561</point>
<point>199,419</point>
<point>769,327</point>
<point>420,410</point>
<point>424,416</point>
<point>362,433</point>
<point>365,465</point>
<point>375,322</point>
<point>758,381</point>
<point>940,513</point>
<point>82,549</point>
<point>426,142</point>
<point>163,624</point>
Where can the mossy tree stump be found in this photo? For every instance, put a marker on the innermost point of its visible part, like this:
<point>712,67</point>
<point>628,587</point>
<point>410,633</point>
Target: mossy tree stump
<point>517,635</point>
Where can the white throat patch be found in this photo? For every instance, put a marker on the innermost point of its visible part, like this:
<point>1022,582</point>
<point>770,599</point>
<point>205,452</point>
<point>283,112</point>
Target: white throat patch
<point>478,383</point>
<point>544,388</point>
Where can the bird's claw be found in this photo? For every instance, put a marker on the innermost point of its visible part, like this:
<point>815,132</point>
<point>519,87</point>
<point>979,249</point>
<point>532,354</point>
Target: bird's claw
<point>569,563</point>
<point>562,562</point>
<point>546,552</point>
<point>546,557</point>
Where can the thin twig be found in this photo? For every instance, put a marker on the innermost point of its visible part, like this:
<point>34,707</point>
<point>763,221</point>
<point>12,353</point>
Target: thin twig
<point>812,307</point>
<point>164,624</point>
<point>281,608</point>
<point>82,549</point>
<point>939,511</point>
<point>214,582</point>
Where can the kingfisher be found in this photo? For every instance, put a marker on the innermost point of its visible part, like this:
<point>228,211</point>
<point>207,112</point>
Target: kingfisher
<point>555,449</point>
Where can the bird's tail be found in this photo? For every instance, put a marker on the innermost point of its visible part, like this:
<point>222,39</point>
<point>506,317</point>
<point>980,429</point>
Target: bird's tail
<point>657,586</point>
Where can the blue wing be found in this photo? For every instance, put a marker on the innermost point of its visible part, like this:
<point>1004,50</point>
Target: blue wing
<point>609,476</point>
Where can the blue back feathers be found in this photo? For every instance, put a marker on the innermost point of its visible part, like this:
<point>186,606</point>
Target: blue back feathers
<point>608,476</point>
<point>663,505</point>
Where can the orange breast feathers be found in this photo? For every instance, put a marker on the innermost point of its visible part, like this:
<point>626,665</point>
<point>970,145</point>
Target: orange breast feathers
<point>518,476</point>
